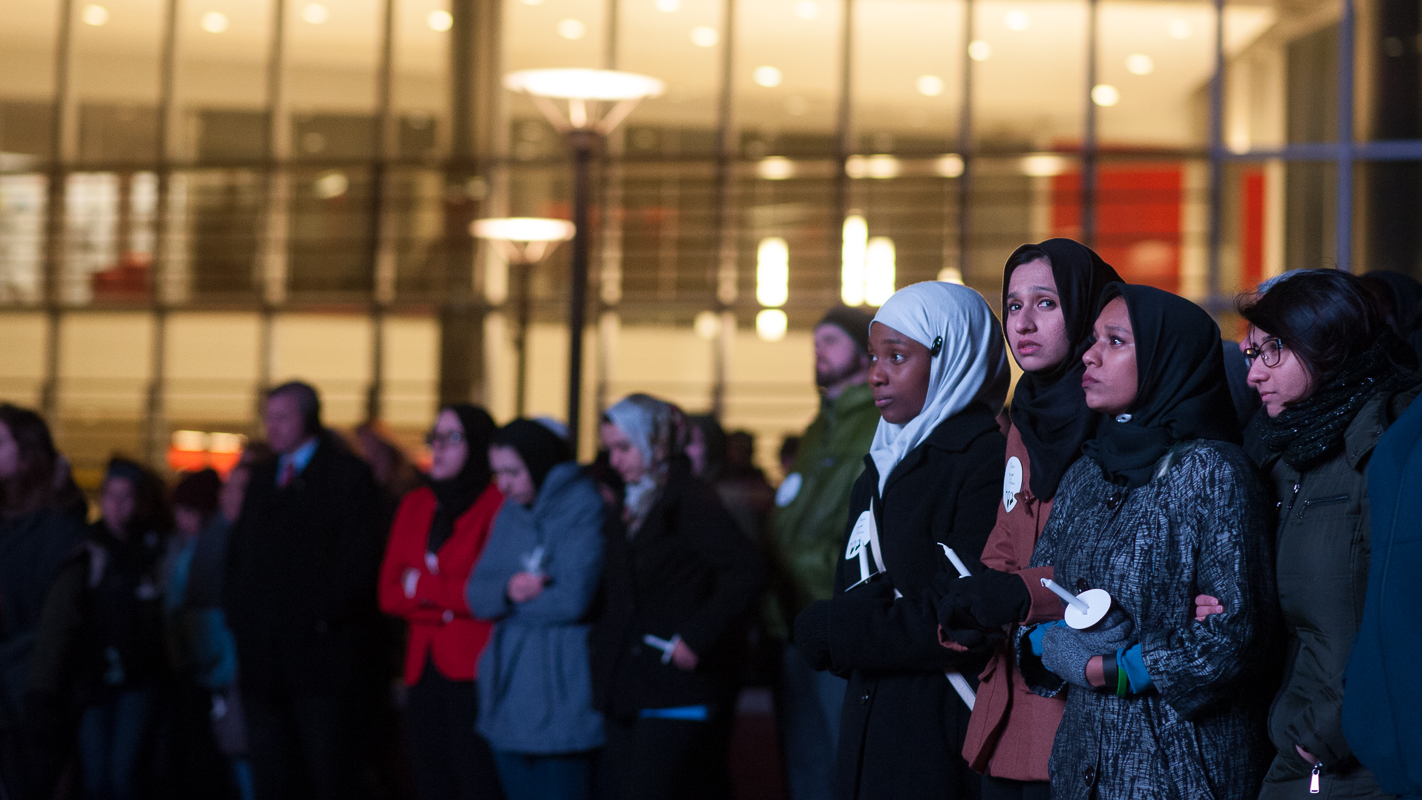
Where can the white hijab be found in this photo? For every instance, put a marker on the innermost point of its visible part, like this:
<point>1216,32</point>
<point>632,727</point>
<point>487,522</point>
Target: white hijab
<point>970,367</point>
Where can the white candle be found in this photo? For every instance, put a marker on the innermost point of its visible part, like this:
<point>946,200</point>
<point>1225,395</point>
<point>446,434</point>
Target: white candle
<point>957,562</point>
<point>1067,597</point>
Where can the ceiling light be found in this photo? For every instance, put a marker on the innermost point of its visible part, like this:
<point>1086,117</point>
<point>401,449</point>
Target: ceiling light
<point>94,15</point>
<point>770,324</point>
<point>769,77</point>
<point>702,36</point>
<point>979,50</point>
<point>949,166</point>
<point>440,20</point>
<point>807,9</point>
<point>669,6</point>
<point>879,270</point>
<point>533,2</point>
<point>1140,64</point>
<point>331,185</point>
<point>1178,29</point>
<point>707,325</point>
<point>775,168</point>
<point>214,22</point>
<point>1104,94</point>
<point>315,13</point>
<point>930,85</point>
<point>772,272</point>
<point>1042,166</point>
<point>571,29</point>
<point>879,166</point>
<point>951,275</point>
<point>1017,21</point>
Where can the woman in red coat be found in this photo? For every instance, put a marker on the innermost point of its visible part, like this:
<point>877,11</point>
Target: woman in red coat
<point>438,536</point>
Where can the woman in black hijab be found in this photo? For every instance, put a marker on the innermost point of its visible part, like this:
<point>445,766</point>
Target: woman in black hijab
<point>1050,293</point>
<point>437,537</point>
<point>1163,505</point>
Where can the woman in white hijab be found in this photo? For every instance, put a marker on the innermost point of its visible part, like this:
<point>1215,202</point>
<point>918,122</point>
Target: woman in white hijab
<point>930,483</point>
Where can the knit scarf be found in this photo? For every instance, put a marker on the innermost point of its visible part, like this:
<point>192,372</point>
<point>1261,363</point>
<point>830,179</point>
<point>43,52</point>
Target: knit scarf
<point>1310,431</point>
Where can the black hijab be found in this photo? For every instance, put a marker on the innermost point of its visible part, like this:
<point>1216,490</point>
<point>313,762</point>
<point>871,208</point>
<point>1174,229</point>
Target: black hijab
<point>1048,407</point>
<point>1181,389</point>
<point>540,448</point>
<point>455,495</point>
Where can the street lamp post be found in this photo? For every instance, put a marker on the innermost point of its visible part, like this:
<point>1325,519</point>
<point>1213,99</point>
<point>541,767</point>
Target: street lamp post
<point>523,242</point>
<point>598,101</point>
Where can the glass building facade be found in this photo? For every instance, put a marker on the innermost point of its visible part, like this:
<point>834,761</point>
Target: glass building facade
<point>200,198</point>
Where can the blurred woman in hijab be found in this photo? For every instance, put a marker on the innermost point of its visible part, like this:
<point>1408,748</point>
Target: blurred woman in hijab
<point>679,581</point>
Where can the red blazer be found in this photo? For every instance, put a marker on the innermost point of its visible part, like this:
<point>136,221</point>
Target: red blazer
<point>439,617</point>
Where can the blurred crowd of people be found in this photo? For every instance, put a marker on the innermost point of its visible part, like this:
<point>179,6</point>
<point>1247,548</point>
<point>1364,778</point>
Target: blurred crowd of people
<point>1230,521</point>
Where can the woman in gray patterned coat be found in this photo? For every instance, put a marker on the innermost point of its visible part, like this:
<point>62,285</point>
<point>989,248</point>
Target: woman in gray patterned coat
<point>1163,506</point>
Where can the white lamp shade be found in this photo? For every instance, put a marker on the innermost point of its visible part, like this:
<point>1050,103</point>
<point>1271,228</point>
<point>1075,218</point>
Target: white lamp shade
<point>523,229</point>
<point>584,84</point>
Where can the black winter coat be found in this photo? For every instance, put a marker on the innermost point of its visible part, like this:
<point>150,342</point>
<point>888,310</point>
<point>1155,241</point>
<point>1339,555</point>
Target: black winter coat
<point>301,575</point>
<point>689,571</point>
<point>122,636</point>
<point>33,547</point>
<point>902,727</point>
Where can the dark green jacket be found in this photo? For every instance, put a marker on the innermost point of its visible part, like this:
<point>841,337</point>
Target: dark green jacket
<point>1324,545</point>
<point>807,531</point>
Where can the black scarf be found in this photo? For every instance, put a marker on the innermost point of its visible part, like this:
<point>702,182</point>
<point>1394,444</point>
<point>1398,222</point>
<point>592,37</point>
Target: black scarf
<point>540,448</point>
<point>455,495</point>
<point>1049,408</point>
<point>1311,431</point>
<point>1181,389</point>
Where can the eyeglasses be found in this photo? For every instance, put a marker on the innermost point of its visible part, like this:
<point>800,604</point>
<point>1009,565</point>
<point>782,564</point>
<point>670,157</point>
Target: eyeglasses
<point>1270,351</point>
<point>446,439</point>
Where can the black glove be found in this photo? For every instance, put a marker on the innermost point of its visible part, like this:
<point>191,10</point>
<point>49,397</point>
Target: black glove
<point>1066,650</point>
<point>812,634</point>
<point>989,600</point>
<point>974,638</point>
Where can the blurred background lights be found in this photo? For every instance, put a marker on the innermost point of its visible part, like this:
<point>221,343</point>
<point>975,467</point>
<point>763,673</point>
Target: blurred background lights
<point>669,6</point>
<point>770,324</point>
<point>315,13</point>
<point>979,50</point>
<point>94,15</point>
<point>702,36</point>
<point>878,270</point>
<point>214,22</point>
<point>1104,94</point>
<point>769,77</point>
<point>1178,29</point>
<point>571,29</point>
<point>1140,64</point>
<point>439,20</point>
<point>706,325</point>
<point>949,166</point>
<point>775,168</point>
<point>772,272</point>
<point>807,9</point>
<point>331,185</point>
<point>1017,21</point>
<point>929,85</point>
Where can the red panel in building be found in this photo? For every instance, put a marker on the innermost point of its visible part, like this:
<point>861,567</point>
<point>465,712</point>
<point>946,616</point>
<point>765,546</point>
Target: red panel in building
<point>1251,229</point>
<point>1138,210</point>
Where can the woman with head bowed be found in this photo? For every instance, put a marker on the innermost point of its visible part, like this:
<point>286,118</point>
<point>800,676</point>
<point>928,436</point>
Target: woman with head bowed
<point>1331,377</point>
<point>930,482</point>
<point>1162,506</point>
<point>438,535</point>
<point>679,581</point>
<point>536,581</point>
<point>1050,293</point>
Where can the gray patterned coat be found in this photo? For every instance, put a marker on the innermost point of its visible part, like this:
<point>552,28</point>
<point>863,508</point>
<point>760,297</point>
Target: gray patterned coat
<point>1200,526</point>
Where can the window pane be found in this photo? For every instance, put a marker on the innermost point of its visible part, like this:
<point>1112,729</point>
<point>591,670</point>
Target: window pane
<point>1281,75</point>
<point>908,66</point>
<point>1029,73</point>
<point>1157,60</point>
<point>787,76</point>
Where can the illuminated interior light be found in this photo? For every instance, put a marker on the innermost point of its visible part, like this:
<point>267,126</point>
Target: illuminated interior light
<point>771,324</point>
<point>949,166</point>
<point>1106,95</point>
<point>772,272</point>
<point>214,22</point>
<point>979,50</point>
<point>852,255</point>
<point>315,13</point>
<point>775,168</point>
<point>879,270</point>
<point>767,76</point>
<point>1140,64</point>
<point>572,29</point>
<point>94,15</point>
<point>1017,21</point>
<point>440,21</point>
<point>929,85</point>
<point>702,36</point>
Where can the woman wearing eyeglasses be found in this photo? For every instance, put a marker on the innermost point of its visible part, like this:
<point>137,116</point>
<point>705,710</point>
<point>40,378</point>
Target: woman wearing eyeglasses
<point>438,535</point>
<point>1326,367</point>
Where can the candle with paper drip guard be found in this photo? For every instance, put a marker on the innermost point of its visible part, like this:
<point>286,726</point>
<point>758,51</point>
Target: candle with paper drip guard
<point>960,684</point>
<point>1085,609</point>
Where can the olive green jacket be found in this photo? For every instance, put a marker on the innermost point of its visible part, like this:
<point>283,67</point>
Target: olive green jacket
<point>812,505</point>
